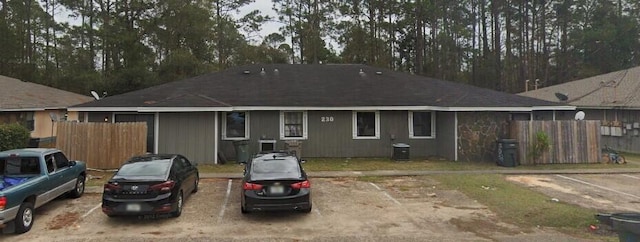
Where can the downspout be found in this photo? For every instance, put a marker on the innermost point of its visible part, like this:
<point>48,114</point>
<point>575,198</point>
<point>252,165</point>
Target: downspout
<point>156,131</point>
<point>455,133</point>
<point>554,115</point>
<point>215,138</point>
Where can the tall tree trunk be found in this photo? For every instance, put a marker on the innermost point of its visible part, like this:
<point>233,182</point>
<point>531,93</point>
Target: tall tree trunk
<point>419,24</point>
<point>497,46</point>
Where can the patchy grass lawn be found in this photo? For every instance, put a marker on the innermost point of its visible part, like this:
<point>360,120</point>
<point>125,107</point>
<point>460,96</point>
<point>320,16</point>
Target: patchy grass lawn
<point>369,164</point>
<point>518,205</point>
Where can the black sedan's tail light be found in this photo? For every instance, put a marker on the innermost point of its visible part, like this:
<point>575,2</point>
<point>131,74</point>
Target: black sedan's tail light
<point>163,187</point>
<point>109,187</point>
<point>302,184</point>
<point>251,186</point>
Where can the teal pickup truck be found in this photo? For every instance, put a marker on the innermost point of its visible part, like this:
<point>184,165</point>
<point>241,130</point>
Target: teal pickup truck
<point>29,178</point>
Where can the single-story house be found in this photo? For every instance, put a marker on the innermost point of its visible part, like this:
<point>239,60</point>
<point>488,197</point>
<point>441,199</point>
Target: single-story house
<point>334,110</point>
<point>613,98</point>
<point>36,106</point>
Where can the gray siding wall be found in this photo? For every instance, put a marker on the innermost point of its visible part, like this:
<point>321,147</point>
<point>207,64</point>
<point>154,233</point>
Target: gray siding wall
<point>335,139</point>
<point>189,134</point>
<point>445,133</point>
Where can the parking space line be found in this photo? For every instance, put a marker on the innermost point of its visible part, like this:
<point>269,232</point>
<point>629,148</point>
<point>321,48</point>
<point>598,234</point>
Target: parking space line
<point>226,200</point>
<point>315,208</point>
<point>91,211</point>
<point>598,186</point>
<point>385,193</point>
<point>630,176</point>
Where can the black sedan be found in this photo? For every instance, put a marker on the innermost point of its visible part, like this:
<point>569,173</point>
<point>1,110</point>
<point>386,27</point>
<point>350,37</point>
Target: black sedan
<point>150,185</point>
<point>273,182</point>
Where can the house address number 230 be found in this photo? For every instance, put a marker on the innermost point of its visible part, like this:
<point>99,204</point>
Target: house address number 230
<point>326,119</point>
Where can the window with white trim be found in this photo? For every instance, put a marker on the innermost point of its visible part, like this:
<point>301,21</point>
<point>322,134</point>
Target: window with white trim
<point>366,125</point>
<point>293,125</point>
<point>235,125</point>
<point>421,125</point>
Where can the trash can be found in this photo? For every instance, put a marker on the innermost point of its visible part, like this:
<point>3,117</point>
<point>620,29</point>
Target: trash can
<point>627,225</point>
<point>242,150</point>
<point>507,152</point>
<point>400,152</point>
<point>295,147</point>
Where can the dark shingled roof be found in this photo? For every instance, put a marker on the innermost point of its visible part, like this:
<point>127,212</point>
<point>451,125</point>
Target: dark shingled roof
<point>286,85</point>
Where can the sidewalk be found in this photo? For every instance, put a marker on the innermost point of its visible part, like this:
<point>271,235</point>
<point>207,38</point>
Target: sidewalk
<point>330,174</point>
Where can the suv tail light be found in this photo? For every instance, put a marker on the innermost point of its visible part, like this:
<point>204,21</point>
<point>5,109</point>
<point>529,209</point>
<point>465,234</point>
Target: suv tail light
<point>109,187</point>
<point>3,202</point>
<point>302,184</point>
<point>163,187</point>
<point>251,186</point>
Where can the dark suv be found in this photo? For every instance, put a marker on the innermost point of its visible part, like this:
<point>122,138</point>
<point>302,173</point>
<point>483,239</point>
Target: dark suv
<point>275,181</point>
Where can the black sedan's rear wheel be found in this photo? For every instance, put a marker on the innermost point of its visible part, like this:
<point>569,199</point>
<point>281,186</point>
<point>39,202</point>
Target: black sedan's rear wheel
<point>179,204</point>
<point>243,210</point>
<point>195,184</point>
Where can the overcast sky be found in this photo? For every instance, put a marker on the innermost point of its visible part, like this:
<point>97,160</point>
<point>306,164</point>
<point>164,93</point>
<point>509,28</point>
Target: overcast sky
<point>265,6</point>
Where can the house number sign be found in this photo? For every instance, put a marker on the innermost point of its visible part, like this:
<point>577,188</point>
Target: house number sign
<point>326,119</point>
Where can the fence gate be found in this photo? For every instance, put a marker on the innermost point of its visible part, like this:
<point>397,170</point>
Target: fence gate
<point>571,141</point>
<point>102,145</point>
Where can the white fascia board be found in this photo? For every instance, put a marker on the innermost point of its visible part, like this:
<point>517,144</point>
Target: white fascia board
<point>288,108</point>
<point>608,107</point>
<point>21,109</point>
<point>150,109</point>
<point>550,108</point>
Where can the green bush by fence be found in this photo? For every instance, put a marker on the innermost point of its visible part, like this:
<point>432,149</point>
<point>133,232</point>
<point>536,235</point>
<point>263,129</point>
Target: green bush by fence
<point>13,136</point>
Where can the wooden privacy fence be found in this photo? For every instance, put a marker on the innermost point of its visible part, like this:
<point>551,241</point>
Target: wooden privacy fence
<point>571,141</point>
<point>102,145</point>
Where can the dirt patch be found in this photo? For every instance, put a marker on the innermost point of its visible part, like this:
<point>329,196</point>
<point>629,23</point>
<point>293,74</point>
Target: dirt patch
<point>63,220</point>
<point>154,233</point>
<point>482,227</point>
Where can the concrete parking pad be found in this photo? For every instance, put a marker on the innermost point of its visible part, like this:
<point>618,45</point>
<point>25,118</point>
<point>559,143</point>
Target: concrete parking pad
<point>345,209</point>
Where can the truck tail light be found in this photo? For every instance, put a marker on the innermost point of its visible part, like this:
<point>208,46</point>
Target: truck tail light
<point>3,202</point>
<point>302,184</point>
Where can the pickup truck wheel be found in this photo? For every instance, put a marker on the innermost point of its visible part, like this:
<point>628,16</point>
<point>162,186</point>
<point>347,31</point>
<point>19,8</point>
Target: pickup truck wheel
<point>179,202</point>
<point>78,190</point>
<point>24,218</point>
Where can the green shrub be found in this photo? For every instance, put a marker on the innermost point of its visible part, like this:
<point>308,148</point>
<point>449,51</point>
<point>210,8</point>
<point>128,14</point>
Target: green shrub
<point>13,136</point>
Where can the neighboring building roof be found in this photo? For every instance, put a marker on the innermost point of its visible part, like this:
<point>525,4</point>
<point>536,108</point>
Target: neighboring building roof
<point>615,90</point>
<point>16,95</point>
<point>313,87</point>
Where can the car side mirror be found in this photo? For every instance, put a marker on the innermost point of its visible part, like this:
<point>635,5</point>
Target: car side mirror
<point>72,163</point>
<point>303,161</point>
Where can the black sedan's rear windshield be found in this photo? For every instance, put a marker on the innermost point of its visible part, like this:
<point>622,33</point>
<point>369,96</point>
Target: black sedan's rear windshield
<point>264,169</point>
<point>144,168</point>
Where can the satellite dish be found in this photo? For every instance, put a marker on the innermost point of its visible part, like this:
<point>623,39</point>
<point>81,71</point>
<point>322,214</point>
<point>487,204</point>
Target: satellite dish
<point>95,95</point>
<point>579,115</point>
<point>53,116</point>
<point>562,96</point>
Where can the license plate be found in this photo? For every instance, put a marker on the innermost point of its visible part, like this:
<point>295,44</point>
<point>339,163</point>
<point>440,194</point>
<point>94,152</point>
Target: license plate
<point>276,189</point>
<point>134,207</point>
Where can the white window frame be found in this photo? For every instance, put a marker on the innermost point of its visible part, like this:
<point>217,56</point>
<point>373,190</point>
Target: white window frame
<point>304,126</point>
<point>246,126</point>
<point>355,125</point>
<point>433,125</point>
